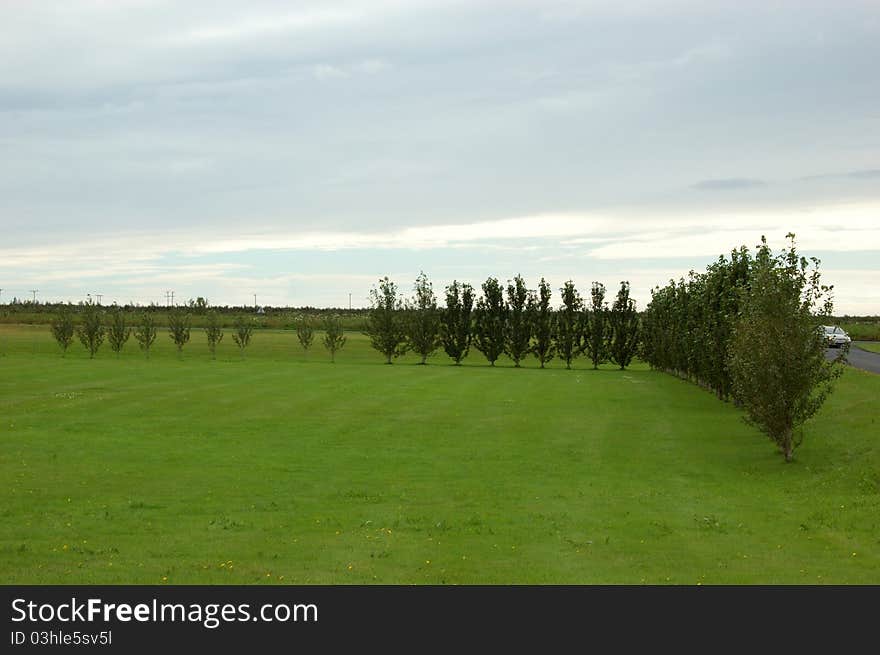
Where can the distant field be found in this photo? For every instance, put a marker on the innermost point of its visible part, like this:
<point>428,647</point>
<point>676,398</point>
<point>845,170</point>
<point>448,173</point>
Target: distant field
<point>872,346</point>
<point>281,468</point>
<point>862,330</point>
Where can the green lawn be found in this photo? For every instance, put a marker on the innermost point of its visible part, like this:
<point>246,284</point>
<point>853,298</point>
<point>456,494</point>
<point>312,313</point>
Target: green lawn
<point>873,346</point>
<point>282,469</point>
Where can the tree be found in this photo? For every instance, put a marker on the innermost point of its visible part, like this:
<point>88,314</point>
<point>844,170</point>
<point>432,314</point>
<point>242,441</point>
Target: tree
<point>518,326</point>
<point>623,323</point>
<point>542,322</point>
<point>334,337</point>
<point>62,328</point>
<point>455,320</point>
<point>178,329</point>
<point>213,331</point>
<point>596,332</point>
<point>423,319</point>
<point>146,332</point>
<point>569,324</point>
<point>244,329</point>
<point>305,333</point>
<point>777,358</point>
<point>118,331</point>
<point>91,330</point>
<point>491,316</point>
<point>385,324</point>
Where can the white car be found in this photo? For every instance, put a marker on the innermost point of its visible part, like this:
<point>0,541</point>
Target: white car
<point>835,336</point>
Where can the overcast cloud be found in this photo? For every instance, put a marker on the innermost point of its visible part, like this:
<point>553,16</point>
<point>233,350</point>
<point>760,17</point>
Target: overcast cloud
<point>302,150</point>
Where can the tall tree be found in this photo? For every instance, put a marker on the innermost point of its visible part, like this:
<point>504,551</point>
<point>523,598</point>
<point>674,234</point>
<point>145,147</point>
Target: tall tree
<point>518,327</point>
<point>623,321</point>
<point>491,316</point>
<point>543,348</point>
<point>596,332</point>
<point>334,337</point>
<point>213,332</point>
<point>179,329</point>
<point>146,332</point>
<point>305,332</point>
<point>244,330</point>
<point>118,331</point>
<point>455,320</point>
<point>385,324</point>
<point>569,324</point>
<point>423,319</point>
<point>91,330</point>
<point>62,328</point>
<point>777,357</point>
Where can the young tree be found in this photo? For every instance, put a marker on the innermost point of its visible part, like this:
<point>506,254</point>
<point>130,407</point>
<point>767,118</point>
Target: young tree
<point>543,348</point>
<point>423,324</point>
<point>118,331</point>
<point>569,324</point>
<point>455,320</point>
<point>244,329</point>
<point>518,327</point>
<point>62,328</point>
<point>178,329</point>
<point>489,326</point>
<point>213,331</point>
<point>385,324</point>
<point>623,322</point>
<point>146,332</point>
<point>595,334</point>
<point>91,330</point>
<point>305,333</point>
<point>334,337</point>
<point>777,356</point>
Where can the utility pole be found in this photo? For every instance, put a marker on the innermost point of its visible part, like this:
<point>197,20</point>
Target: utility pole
<point>99,295</point>
<point>349,301</point>
<point>34,291</point>
<point>255,302</point>
<point>172,299</point>
<point>167,297</point>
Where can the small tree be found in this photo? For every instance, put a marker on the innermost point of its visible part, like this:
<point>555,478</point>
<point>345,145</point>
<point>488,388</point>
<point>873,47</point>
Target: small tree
<point>244,328</point>
<point>146,332</point>
<point>62,328</point>
<point>623,322</point>
<point>455,320</point>
<point>118,331</point>
<point>305,333</point>
<point>423,324</point>
<point>334,337</point>
<point>213,331</point>
<point>178,329</point>
<point>596,332</point>
<point>777,358</point>
<point>385,324</point>
<point>490,321</point>
<point>518,327</point>
<point>542,323</point>
<point>91,330</point>
<point>569,324</point>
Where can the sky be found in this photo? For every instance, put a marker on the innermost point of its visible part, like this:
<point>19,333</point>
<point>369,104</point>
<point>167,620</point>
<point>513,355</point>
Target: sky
<point>300,151</point>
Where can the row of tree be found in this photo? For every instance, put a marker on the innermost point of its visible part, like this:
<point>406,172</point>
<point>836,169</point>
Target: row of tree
<point>512,320</point>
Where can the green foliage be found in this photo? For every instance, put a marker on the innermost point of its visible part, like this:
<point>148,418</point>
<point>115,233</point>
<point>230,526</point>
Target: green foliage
<point>490,320</point>
<point>213,332</point>
<point>423,320</point>
<point>456,320</point>
<point>179,328</point>
<point>146,332</point>
<point>305,332</point>
<point>543,323</point>
<point>777,356</point>
<point>91,330</point>
<point>518,327</point>
<point>244,329</point>
<point>386,321</point>
<point>334,337</point>
<point>568,337</point>
<point>62,328</point>
<point>623,322</point>
<point>118,331</point>
<point>596,326</point>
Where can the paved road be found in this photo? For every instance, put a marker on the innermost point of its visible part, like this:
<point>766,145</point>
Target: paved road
<point>859,358</point>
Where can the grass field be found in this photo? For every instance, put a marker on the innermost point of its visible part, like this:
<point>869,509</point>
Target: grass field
<point>871,346</point>
<point>285,469</point>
